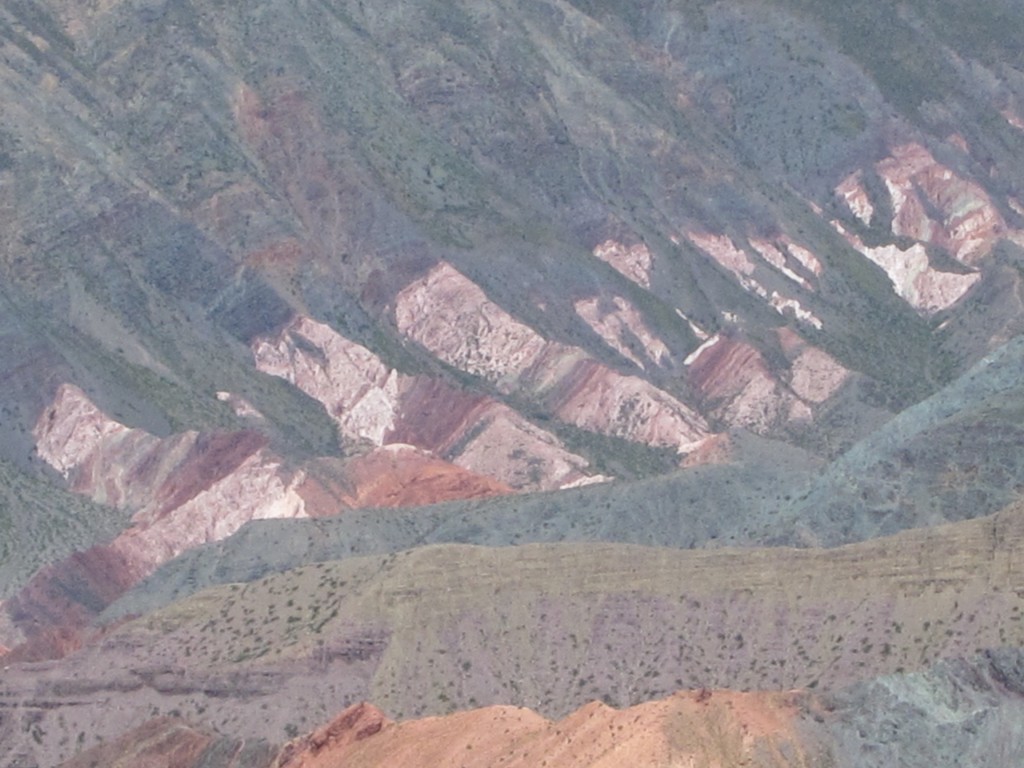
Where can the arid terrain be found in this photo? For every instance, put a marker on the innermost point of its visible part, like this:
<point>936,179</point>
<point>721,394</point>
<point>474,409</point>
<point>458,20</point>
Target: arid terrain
<point>562,382</point>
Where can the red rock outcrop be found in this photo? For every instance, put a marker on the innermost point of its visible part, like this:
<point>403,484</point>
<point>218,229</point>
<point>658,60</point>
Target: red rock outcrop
<point>715,728</point>
<point>355,724</point>
<point>736,383</point>
<point>741,389</point>
<point>599,399</point>
<point>186,490</point>
<point>373,403</point>
<point>401,475</point>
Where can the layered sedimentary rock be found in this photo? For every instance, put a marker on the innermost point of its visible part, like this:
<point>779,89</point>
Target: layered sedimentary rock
<point>453,318</point>
<point>740,264</point>
<point>447,627</point>
<point>932,204</point>
<point>814,375</point>
<point>961,713</point>
<point>852,192</point>
<point>185,490</point>
<point>170,742</point>
<point>594,397</point>
<point>375,404</point>
<point>400,475</point>
<point>358,391</point>
<point>913,278</point>
<point>741,389</point>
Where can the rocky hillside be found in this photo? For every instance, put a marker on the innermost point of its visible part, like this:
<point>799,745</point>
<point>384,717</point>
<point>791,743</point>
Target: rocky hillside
<point>910,719</point>
<point>951,456</point>
<point>460,227</point>
<point>464,353</point>
<point>552,627</point>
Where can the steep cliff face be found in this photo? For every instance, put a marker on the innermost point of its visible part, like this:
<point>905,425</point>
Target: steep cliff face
<point>914,279</point>
<point>452,317</point>
<point>932,204</point>
<point>358,391</point>
<point>741,390</point>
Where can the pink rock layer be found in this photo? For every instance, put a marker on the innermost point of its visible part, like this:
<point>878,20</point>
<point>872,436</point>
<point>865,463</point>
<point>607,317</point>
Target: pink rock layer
<point>374,404</point>
<point>453,318</point>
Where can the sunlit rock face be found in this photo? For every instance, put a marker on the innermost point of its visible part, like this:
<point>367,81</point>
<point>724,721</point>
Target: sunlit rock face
<point>814,375</point>
<point>923,287</point>
<point>737,385</point>
<point>785,257</point>
<point>453,318</point>
<point>358,390</point>
<point>743,391</point>
<point>720,728</point>
<point>852,192</point>
<point>624,329</point>
<point>400,475</point>
<point>631,261</point>
<point>933,205</point>
<point>373,403</point>
<point>596,398</point>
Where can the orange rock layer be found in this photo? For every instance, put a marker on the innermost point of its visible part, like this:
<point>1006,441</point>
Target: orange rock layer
<point>714,728</point>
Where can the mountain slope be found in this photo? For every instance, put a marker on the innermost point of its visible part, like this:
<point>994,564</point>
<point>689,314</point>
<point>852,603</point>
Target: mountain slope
<point>750,272</point>
<point>651,225</point>
<point>963,712</point>
<point>948,457</point>
<point>440,628</point>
